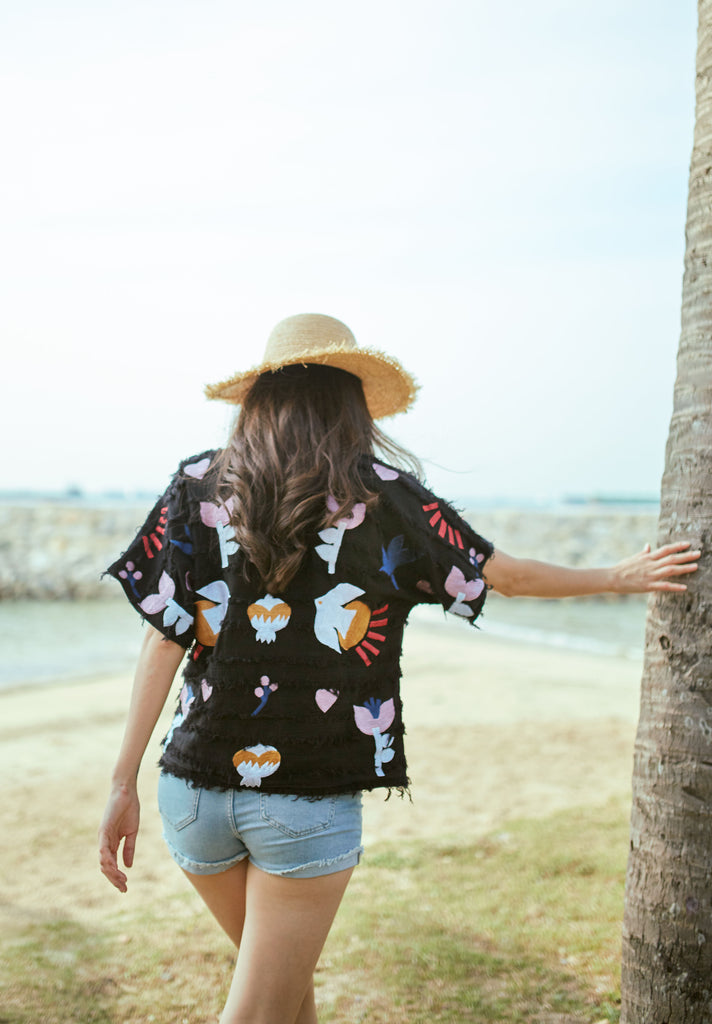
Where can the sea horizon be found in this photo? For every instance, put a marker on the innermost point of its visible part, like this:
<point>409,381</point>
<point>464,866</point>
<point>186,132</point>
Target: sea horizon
<point>604,502</point>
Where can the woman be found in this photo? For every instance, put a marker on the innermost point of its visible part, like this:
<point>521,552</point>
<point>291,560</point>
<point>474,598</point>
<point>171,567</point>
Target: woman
<point>286,565</point>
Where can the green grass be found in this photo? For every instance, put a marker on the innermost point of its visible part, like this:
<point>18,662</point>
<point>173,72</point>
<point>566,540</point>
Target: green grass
<point>521,927</point>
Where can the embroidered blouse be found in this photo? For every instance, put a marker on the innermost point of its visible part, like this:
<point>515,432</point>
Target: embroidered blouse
<point>297,692</point>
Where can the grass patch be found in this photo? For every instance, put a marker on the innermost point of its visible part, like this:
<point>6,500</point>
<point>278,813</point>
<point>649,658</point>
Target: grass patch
<point>521,927</point>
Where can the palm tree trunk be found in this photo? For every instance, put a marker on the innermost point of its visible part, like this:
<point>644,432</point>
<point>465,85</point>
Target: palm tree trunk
<point>667,929</point>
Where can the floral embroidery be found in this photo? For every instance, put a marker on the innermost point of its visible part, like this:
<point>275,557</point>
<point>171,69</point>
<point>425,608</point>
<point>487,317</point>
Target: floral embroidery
<point>263,692</point>
<point>342,622</point>
<point>154,537</point>
<point>189,534</point>
<point>393,556</point>
<point>326,698</point>
<point>475,559</point>
<point>173,614</point>
<point>218,516</point>
<point>334,535</point>
<point>211,611</point>
<point>372,719</point>
<point>462,590</point>
<point>384,472</point>
<point>256,763</point>
<point>132,574</point>
<point>442,526</point>
<point>267,616</point>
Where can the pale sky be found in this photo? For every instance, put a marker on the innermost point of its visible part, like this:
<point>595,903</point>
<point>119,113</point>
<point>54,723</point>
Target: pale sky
<point>493,193</point>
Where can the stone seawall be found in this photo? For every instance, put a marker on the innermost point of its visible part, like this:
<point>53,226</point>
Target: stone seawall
<point>52,551</point>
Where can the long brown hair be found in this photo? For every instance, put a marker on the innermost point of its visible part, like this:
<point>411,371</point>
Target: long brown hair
<point>299,437</point>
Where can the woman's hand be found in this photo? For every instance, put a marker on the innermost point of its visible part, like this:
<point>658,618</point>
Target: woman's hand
<point>120,821</point>
<point>650,571</point>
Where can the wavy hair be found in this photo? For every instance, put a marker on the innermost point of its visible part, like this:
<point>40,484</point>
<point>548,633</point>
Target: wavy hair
<point>299,438</point>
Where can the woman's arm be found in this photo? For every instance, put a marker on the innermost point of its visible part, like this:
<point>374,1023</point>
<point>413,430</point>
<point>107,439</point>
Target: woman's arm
<point>642,573</point>
<point>157,665</point>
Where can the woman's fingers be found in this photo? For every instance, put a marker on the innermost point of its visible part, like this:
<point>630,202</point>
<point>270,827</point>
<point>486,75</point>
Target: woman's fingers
<point>129,849</point>
<point>108,864</point>
<point>677,550</point>
<point>672,567</point>
<point>673,560</point>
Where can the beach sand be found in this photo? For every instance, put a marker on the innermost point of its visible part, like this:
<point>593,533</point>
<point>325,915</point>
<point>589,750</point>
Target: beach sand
<point>496,731</point>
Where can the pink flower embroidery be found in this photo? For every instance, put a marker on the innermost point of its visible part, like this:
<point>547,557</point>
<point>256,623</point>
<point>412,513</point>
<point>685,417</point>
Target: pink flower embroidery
<point>218,516</point>
<point>263,692</point>
<point>334,535</point>
<point>373,717</point>
<point>462,590</point>
<point>173,615</point>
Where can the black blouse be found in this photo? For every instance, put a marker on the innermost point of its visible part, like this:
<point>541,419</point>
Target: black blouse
<point>297,692</point>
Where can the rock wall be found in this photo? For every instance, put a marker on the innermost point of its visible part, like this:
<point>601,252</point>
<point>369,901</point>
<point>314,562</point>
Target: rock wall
<point>52,551</point>
<point>580,537</point>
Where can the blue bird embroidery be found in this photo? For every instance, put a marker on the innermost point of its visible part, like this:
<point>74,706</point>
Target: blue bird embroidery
<point>394,555</point>
<point>186,546</point>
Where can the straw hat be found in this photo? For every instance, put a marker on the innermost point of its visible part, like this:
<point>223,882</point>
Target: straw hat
<point>313,338</point>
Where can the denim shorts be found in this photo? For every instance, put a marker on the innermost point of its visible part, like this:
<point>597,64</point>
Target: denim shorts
<point>207,831</point>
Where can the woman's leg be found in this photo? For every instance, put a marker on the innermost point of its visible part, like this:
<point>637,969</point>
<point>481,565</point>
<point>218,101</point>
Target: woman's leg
<point>224,896</point>
<point>279,922</point>
<point>285,926</point>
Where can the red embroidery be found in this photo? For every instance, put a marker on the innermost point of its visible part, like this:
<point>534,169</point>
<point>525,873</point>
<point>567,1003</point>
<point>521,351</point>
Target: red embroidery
<point>372,635</point>
<point>152,538</point>
<point>444,527</point>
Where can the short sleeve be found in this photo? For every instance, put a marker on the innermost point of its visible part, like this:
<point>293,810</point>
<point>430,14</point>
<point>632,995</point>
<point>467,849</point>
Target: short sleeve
<point>156,568</point>
<point>440,556</point>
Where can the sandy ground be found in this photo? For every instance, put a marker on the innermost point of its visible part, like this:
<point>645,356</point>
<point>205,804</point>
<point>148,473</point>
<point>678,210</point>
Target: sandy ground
<point>496,731</point>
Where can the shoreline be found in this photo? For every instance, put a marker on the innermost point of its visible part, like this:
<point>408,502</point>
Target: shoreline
<point>86,639</point>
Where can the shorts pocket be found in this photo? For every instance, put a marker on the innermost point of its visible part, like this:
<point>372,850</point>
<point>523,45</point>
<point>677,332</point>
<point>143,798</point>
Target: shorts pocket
<point>296,816</point>
<point>177,801</point>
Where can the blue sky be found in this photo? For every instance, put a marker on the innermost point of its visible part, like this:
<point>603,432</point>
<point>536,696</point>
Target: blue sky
<point>493,193</point>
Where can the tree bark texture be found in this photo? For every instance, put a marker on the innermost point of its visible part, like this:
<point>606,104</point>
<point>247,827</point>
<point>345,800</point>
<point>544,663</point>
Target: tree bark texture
<point>667,929</point>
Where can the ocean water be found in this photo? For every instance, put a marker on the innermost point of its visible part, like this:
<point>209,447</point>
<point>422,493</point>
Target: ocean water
<point>55,641</point>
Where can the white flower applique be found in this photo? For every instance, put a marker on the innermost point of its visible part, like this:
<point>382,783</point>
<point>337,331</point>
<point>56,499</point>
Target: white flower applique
<point>267,616</point>
<point>256,763</point>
